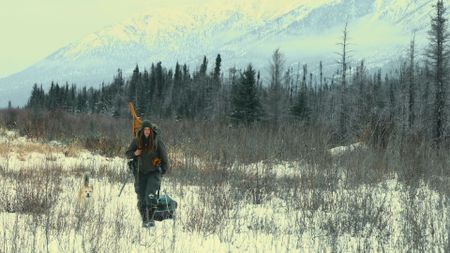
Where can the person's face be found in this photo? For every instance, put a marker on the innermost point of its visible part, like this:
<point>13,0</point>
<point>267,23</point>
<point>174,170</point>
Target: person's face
<point>147,131</point>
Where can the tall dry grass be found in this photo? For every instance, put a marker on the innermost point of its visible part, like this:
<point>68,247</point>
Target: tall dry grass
<point>222,174</point>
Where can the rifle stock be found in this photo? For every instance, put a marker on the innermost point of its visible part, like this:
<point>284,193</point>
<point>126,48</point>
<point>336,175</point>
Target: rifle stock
<point>136,119</point>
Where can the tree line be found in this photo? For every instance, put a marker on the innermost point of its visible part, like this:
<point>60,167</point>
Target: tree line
<point>354,103</point>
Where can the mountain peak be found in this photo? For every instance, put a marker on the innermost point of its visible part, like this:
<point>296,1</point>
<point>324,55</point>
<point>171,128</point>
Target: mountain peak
<point>241,31</point>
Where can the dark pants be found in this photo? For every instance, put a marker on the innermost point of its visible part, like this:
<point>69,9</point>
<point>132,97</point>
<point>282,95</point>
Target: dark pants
<point>146,187</point>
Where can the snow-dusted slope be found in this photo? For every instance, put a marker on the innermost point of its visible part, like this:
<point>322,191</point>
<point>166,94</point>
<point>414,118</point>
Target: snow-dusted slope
<point>241,31</point>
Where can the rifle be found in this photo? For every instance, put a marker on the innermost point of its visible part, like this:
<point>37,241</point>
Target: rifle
<point>136,123</point>
<point>132,168</point>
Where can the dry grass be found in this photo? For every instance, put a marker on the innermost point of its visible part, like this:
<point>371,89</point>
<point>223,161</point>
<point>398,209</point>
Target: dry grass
<point>217,209</point>
<point>12,142</point>
<point>278,189</point>
<point>73,150</point>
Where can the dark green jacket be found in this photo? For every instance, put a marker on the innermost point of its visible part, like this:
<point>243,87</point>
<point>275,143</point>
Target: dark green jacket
<point>144,161</point>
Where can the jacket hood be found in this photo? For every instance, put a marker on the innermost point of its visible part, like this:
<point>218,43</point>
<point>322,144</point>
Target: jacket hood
<point>147,123</point>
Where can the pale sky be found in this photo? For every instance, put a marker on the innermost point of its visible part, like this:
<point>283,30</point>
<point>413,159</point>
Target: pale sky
<point>33,29</point>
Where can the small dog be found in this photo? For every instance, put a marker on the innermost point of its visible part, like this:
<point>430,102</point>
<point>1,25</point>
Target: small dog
<point>85,192</point>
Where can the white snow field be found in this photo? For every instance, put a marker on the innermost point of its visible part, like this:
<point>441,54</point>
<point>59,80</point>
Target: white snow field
<point>385,216</point>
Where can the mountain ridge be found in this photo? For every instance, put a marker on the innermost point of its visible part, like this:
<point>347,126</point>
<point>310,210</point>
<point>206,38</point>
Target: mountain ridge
<point>242,32</point>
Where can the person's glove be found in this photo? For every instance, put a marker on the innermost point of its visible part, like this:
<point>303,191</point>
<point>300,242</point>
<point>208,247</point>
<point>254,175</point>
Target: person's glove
<point>132,165</point>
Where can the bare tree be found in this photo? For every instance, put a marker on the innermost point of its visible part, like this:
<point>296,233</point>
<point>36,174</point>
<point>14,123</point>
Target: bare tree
<point>277,98</point>
<point>343,62</point>
<point>276,69</point>
<point>411,89</point>
<point>344,55</point>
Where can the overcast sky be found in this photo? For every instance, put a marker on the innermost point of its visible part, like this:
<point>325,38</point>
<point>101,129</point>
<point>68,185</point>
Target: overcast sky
<point>33,29</point>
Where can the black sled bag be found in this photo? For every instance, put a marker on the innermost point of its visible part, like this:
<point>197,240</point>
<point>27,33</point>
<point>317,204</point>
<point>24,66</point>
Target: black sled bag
<point>165,209</point>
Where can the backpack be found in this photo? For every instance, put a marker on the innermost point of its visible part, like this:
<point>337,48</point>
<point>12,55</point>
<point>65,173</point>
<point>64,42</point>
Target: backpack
<point>165,208</point>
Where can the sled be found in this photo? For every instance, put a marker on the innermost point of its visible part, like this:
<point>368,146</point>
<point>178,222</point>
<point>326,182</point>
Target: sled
<point>165,209</point>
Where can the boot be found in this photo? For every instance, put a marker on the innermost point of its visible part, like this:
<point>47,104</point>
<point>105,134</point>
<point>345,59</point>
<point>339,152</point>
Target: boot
<point>148,221</point>
<point>144,216</point>
<point>151,213</point>
<point>149,224</point>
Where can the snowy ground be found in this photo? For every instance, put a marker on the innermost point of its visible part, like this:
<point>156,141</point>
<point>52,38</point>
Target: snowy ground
<point>380,217</point>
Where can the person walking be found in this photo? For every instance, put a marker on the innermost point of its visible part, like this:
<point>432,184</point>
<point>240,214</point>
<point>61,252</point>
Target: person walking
<point>150,156</point>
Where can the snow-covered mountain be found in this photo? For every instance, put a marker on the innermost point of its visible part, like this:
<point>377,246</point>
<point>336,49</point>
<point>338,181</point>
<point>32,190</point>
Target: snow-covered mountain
<point>306,31</point>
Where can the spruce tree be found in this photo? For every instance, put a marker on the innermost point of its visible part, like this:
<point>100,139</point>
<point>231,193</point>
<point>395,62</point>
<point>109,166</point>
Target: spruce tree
<point>438,54</point>
<point>246,107</point>
<point>177,90</point>
<point>216,75</point>
<point>204,67</point>
<point>300,108</point>
<point>132,88</point>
